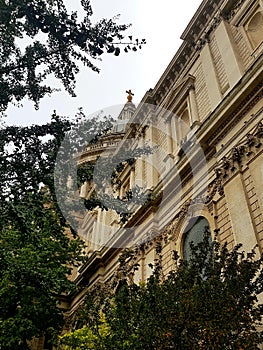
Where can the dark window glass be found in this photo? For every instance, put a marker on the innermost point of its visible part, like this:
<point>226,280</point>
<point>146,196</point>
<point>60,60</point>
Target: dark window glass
<point>194,233</point>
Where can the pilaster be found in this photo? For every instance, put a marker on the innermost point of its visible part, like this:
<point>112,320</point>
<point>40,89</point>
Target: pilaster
<point>229,57</point>
<point>240,217</point>
<point>210,77</point>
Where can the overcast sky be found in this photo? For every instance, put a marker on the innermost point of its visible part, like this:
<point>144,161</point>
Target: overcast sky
<point>161,23</point>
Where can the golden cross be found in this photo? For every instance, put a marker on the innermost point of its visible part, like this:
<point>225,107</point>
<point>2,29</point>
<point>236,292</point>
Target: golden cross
<point>130,94</point>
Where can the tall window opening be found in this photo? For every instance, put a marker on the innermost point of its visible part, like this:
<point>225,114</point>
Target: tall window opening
<point>185,123</point>
<point>194,232</point>
<point>255,29</point>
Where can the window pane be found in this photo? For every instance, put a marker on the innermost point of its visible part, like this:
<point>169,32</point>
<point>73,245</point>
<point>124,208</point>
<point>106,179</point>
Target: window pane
<point>195,234</point>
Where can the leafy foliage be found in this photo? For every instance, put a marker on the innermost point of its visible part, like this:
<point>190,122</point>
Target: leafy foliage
<point>36,256</point>
<point>101,172</point>
<point>208,302</point>
<point>88,338</point>
<point>35,253</point>
<point>39,38</point>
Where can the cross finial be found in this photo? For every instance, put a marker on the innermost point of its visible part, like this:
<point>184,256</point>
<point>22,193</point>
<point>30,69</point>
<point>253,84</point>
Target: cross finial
<point>130,95</point>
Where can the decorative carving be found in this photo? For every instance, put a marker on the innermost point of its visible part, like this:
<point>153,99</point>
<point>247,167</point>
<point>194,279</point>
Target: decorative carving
<point>190,87</point>
<point>200,43</point>
<point>206,35</point>
<point>140,131</point>
<point>146,242</point>
<point>185,210</point>
<point>229,15</point>
<point>259,132</point>
<point>214,187</point>
<point>246,148</point>
<point>170,229</point>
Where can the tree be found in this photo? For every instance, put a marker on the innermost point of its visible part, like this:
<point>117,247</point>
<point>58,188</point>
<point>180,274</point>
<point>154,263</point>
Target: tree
<point>207,302</point>
<point>38,39</point>
<point>36,256</point>
<point>35,253</point>
<point>55,41</point>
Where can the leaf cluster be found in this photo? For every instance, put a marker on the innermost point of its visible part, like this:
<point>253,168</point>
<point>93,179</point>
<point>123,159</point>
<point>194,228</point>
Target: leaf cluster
<point>39,38</point>
<point>36,256</point>
<point>37,205</point>
<point>210,301</point>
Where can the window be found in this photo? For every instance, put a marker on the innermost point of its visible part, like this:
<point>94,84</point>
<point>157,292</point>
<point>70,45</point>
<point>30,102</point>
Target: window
<point>194,233</point>
<point>184,116</point>
<point>248,23</point>
<point>184,121</point>
<point>255,29</point>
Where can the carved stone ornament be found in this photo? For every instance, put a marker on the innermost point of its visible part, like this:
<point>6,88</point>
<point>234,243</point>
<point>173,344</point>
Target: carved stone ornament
<point>148,240</point>
<point>206,35</point>
<point>228,16</point>
<point>242,152</point>
<point>186,211</point>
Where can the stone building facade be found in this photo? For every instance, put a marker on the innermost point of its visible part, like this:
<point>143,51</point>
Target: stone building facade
<point>205,119</point>
<point>204,116</point>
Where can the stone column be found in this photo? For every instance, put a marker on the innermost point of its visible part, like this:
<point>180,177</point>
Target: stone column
<point>132,177</point>
<point>83,190</point>
<point>150,165</point>
<point>179,130</point>
<point>96,234</point>
<point>139,180</point>
<point>193,106</point>
<point>256,170</point>
<point>169,136</point>
<point>174,134</point>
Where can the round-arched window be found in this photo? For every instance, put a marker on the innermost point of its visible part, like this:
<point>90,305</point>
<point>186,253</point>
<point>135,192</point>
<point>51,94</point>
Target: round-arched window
<point>255,29</point>
<point>194,232</point>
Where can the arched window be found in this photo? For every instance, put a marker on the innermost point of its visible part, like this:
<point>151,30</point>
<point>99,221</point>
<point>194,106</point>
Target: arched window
<point>194,233</point>
<point>255,29</point>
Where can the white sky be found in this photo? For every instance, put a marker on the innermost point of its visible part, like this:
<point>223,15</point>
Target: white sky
<point>160,23</point>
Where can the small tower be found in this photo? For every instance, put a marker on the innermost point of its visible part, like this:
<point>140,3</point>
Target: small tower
<point>129,107</point>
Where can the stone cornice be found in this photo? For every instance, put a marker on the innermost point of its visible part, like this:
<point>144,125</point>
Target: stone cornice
<point>96,261</point>
<point>199,27</point>
<point>231,8</point>
<point>174,70</point>
<point>235,105</point>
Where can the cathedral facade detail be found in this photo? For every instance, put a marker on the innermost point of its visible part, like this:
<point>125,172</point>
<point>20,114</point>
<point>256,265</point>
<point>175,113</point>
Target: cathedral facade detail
<point>205,118</point>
